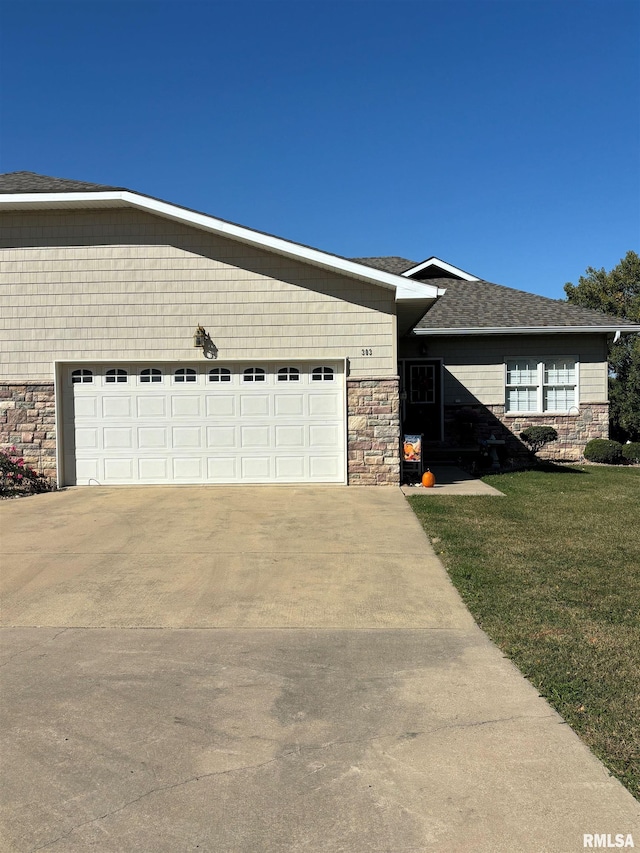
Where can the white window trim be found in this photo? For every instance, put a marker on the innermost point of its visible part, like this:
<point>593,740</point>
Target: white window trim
<point>540,386</point>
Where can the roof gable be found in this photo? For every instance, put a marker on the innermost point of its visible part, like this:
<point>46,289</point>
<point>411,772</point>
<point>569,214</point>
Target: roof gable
<point>29,191</point>
<point>435,268</point>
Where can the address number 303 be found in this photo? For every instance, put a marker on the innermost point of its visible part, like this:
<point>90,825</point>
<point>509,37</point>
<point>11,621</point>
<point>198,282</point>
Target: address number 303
<point>367,352</point>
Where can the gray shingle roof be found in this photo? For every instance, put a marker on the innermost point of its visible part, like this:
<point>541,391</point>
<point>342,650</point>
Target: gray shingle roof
<point>392,264</point>
<point>484,305</point>
<point>30,182</point>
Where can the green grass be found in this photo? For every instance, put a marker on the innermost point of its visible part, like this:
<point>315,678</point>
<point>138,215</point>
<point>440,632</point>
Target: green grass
<point>552,574</point>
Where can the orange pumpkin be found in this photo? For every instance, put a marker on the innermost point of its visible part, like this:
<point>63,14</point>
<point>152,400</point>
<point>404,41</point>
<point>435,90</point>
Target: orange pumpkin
<point>428,480</point>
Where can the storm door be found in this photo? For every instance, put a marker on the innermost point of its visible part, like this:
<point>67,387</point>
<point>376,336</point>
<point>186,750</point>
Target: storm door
<point>422,398</point>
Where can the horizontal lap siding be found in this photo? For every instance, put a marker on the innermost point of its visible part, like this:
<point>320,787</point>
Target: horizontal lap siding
<point>126,285</point>
<point>474,368</point>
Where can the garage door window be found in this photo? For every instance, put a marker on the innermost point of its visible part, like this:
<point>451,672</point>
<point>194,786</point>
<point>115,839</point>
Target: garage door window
<point>116,375</point>
<point>219,374</point>
<point>254,374</point>
<point>150,374</point>
<point>185,374</point>
<point>322,374</point>
<point>288,374</point>
<point>81,376</point>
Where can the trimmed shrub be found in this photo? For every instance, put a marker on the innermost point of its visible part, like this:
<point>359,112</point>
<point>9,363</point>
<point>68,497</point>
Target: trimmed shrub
<point>603,450</point>
<point>535,437</point>
<point>631,452</point>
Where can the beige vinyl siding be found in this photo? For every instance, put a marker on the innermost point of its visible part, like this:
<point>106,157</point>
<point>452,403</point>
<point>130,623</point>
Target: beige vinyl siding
<point>124,285</point>
<point>474,367</point>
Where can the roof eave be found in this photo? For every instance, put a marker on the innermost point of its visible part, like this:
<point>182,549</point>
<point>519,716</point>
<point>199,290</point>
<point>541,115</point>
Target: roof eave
<point>527,330</point>
<point>60,201</point>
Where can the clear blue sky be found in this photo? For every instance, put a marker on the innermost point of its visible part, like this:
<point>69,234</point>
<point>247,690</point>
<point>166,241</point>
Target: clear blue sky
<point>500,135</point>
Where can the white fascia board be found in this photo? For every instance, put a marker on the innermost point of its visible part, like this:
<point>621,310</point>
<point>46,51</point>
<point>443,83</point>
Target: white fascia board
<point>529,330</point>
<point>125,198</point>
<point>436,262</point>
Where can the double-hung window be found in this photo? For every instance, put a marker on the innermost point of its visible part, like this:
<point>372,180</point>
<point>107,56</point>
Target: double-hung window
<point>537,386</point>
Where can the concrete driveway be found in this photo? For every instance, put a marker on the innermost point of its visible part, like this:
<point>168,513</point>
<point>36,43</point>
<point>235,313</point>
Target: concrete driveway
<point>268,669</point>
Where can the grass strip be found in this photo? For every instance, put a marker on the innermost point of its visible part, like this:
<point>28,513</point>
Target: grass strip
<point>552,574</point>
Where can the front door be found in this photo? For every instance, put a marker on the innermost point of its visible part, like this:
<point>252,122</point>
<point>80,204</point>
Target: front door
<point>422,398</point>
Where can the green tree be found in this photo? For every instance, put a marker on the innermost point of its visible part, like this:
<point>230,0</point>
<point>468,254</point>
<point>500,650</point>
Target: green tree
<point>617,293</point>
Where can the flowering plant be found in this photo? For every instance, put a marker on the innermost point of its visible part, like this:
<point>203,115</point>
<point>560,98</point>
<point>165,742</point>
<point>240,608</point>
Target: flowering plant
<point>15,476</point>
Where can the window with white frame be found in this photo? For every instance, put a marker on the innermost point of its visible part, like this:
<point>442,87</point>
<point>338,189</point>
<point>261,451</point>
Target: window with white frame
<point>288,374</point>
<point>116,375</point>
<point>547,385</point>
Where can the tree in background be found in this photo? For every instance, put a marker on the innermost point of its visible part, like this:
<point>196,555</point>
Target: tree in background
<point>617,293</point>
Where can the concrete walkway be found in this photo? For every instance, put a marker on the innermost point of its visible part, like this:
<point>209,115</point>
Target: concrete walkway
<point>451,480</point>
<point>268,670</point>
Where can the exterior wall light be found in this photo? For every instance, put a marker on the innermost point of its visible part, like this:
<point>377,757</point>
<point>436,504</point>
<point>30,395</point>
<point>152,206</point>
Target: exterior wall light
<point>200,338</point>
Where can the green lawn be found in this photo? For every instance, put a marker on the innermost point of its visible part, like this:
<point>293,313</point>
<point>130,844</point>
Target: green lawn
<point>552,574</point>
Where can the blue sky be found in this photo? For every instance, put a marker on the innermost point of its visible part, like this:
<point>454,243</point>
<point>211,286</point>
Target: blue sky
<point>502,136</point>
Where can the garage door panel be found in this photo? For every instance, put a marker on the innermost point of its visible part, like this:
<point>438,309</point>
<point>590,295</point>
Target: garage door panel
<point>289,436</point>
<point>87,469</point>
<point>255,436</point>
<point>117,438</point>
<point>322,468</point>
<point>254,405</point>
<point>86,407</point>
<point>187,468</point>
<point>151,406</point>
<point>323,404</point>
<point>186,436</point>
<point>255,467</point>
<point>186,405</point>
<point>223,406</point>
<point>222,436</point>
<point>114,406</point>
<point>153,469</point>
<point>86,438</point>
<point>323,436</point>
<point>289,405</point>
<point>153,438</point>
<point>290,467</point>
<point>120,469</point>
<point>276,430</point>
<point>222,468</point>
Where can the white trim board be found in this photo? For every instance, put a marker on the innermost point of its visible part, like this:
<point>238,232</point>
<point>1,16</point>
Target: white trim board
<point>90,200</point>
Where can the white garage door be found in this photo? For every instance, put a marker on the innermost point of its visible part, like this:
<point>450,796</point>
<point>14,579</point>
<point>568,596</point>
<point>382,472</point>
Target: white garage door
<point>180,423</point>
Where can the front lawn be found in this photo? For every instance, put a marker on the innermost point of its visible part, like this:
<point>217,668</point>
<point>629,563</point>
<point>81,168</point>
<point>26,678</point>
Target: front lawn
<point>552,574</point>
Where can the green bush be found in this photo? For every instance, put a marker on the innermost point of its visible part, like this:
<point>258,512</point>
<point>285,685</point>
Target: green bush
<point>631,452</point>
<point>536,437</point>
<point>17,478</point>
<point>603,450</point>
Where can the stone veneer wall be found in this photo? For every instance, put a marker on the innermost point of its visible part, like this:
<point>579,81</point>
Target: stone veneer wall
<point>28,423</point>
<point>373,408</point>
<point>574,431</point>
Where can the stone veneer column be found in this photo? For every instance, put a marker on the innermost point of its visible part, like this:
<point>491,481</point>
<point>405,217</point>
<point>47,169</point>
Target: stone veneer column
<point>28,423</point>
<point>373,409</point>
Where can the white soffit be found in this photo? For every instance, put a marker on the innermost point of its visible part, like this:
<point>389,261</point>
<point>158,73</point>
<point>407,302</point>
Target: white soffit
<point>445,267</point>
<point>60,201</point>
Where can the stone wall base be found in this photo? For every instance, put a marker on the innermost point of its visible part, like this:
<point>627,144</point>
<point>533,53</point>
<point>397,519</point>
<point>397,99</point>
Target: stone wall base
<point>574,431</point>
<point>28,423</point>
<point>373,409</point>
